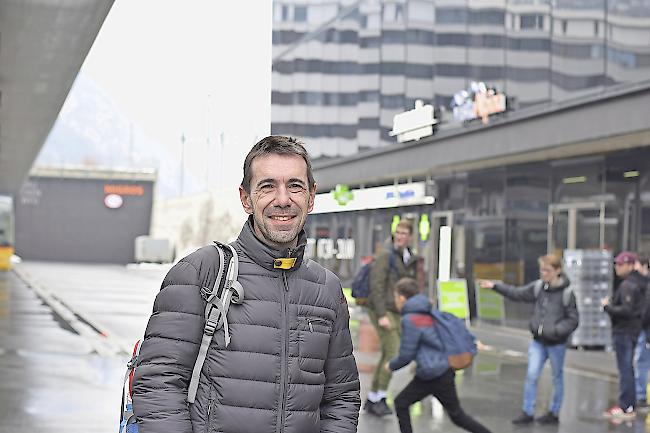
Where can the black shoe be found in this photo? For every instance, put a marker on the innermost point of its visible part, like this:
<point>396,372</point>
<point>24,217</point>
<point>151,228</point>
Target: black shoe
<point>523,419</point>
<point>548,419</point>
<point>379,408</point>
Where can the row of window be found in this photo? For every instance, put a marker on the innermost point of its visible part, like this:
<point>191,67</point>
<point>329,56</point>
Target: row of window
<point>469,71</point>
<point>588,50</point>
<point>427,12</point>
<point>314,130</point>
<point>315,98</point>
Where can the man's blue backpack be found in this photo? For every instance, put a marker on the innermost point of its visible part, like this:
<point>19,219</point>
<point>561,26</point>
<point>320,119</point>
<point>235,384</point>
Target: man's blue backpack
<point>460,344</point>
<point>361,282</point>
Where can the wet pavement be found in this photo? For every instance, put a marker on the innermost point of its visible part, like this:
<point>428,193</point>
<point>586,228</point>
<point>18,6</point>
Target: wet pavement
<point>56,377</point>
<point>50,381</point>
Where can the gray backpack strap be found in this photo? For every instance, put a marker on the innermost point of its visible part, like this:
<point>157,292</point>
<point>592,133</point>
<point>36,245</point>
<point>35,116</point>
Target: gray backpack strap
<point>566,293</point>
<point>216,310</point>
<point>538,288</point>
<point>566,296</point>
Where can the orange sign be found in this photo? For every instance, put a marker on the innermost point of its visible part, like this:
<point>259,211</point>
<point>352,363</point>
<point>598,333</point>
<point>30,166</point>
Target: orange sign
<point>124,189</point>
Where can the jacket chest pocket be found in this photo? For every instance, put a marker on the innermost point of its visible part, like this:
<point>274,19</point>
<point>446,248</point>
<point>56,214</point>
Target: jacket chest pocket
<point>313,343</point>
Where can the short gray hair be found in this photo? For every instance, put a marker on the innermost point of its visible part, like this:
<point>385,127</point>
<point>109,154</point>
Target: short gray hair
<point>277,145</point>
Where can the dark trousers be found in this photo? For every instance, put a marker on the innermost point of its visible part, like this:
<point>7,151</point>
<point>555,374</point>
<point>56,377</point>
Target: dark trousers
<point>444,389</point>
<point>624,345</point>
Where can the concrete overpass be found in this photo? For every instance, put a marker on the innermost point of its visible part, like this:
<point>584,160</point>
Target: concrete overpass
<point>616,119</point>
<point>43,44</point>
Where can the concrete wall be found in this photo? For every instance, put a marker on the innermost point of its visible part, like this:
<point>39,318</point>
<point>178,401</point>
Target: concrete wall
<point>66,219</point>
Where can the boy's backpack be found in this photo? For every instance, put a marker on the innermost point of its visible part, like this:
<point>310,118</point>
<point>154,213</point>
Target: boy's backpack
<point>459,343</point>
<point>361,282</point>
<point>566,294</point>
<point>225,289</point>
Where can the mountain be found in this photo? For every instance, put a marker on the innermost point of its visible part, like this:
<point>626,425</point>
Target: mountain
<point>92,131</point>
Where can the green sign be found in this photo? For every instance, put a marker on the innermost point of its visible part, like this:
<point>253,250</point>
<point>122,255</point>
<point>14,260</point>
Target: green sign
<point>489,304</point>
<point>342,194</point>
<point>425,227</point>
<point>393,224</point>
<point>452,298</point>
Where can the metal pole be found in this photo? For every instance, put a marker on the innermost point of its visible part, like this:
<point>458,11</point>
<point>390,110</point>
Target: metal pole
<point>182,164</point>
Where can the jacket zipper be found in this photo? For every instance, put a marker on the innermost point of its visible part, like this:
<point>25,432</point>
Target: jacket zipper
<point>285,354</point>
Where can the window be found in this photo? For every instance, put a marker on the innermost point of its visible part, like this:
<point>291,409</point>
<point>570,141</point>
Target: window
<point>285,13</point>
<point>300,14</point>
<point>564,26</point>
<point>487,17</point>
<point>369,96</point>
<point>531,22</point>
<point>596,28</point>
<point>453,39</point>
<point>393,37</point>
<point>451,16</point>
<point>392,101</point>
<point>416,36</point>
<point>369,42</point>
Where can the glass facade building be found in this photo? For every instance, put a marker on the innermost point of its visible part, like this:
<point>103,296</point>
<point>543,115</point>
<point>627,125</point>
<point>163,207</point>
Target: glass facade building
<point>503,219</point>
<point>343,69</point>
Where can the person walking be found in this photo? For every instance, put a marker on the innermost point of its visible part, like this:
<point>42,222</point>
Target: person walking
<point>394,263</point>
<point>625,309</point>
<point>555,317</point>
<point>642,351</point>
<point>289,366</point>
<point>433,376</point>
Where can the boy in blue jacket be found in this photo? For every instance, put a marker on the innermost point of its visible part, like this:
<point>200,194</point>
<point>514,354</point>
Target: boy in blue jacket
<point>420,342</point>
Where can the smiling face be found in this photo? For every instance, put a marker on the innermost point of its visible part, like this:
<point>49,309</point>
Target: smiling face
<point>279,198</point>
<point>402,238</point>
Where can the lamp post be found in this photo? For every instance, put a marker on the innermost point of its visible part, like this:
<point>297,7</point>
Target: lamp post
<point>182,164</point>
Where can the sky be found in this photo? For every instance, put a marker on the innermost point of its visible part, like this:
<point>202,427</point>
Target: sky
<point>198,68</point>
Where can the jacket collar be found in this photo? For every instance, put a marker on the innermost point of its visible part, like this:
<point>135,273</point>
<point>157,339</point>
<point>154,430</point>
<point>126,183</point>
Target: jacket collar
<point>562,284</point>
<point>637,279</point>
<point>265,255</point>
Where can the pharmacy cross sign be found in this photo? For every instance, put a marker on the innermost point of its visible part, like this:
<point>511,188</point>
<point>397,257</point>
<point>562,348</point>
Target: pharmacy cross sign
<point>342,194</point>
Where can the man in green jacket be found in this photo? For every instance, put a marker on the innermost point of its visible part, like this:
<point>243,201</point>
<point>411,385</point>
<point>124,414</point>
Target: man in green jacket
<point>389,266</point>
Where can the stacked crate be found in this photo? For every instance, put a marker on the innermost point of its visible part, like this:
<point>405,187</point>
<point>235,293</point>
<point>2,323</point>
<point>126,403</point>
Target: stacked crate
<point>590,273</point>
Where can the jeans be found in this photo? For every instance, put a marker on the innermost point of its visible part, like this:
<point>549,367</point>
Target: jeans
<point>444,389</point>
<point>389,341</point>
<point>538,353</point>
<point>624,345</point>
<point>642,358</point>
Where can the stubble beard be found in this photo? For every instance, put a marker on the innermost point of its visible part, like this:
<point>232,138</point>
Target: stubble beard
<point>277,237</point>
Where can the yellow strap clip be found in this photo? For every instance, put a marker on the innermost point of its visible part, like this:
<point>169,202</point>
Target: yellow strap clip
<point>284,263</point>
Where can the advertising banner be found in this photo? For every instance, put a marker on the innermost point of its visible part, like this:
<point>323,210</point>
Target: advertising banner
<point>489,304</point>
<point>452,298</point>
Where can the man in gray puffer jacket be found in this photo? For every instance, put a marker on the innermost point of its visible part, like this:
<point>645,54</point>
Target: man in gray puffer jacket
<point>289,366</point>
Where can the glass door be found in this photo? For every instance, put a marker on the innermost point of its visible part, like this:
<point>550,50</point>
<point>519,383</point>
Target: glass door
<point>580,226</point>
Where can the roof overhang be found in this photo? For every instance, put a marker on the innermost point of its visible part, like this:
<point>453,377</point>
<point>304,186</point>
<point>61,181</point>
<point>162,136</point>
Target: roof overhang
<point>43,44</point>
<point>612,120</point>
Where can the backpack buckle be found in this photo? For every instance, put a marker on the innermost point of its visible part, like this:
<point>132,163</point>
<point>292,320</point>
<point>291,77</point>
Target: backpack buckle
<point>210,327</point>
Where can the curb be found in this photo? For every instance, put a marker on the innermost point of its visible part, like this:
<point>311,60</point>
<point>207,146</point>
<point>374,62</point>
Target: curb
<point>99,339</point>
